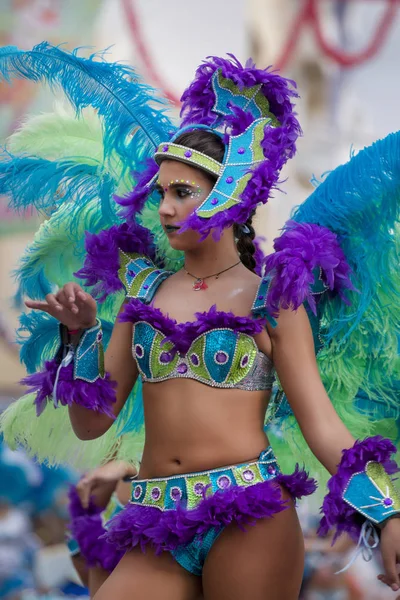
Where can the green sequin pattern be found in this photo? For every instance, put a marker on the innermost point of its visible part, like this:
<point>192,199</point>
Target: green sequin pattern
<point>377,474</point>
<point>251,93</point>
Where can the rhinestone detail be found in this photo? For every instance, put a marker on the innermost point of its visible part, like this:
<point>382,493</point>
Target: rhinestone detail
<point>139,351</point>
<point>175,494</point>
<point>221,357</point>
<point>223,482</point>
<point>156,493</point>
<point>199,488</point>
<point>248,475</point>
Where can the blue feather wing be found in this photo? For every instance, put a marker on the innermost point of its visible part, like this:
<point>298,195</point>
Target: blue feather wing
<point>133,115</point>
<point>357,344</point>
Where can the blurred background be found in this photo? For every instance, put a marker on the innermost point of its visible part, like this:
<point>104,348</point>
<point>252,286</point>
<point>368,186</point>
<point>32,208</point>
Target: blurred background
<point>343,55</point>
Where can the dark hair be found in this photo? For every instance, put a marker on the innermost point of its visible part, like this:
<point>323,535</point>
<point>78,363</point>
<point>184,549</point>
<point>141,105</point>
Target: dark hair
<point>211,144</point>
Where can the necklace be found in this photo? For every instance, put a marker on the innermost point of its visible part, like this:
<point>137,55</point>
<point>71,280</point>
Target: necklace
<point>199,282</point>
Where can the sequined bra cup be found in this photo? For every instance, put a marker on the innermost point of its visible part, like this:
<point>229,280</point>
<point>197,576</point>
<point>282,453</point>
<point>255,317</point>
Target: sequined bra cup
<point>217,349</point>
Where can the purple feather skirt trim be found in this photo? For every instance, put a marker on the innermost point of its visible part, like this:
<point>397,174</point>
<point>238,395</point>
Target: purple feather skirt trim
<point>336,512</point>
<point>302,249</point>
<point>98,396</point>
<point>87,528</point>
<point>142,526</point>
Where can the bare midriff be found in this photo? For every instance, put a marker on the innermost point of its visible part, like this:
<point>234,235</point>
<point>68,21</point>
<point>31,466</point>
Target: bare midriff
<point>194,427</point>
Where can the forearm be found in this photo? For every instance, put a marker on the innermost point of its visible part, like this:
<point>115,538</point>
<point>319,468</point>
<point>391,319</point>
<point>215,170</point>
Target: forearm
<point>327,437</point>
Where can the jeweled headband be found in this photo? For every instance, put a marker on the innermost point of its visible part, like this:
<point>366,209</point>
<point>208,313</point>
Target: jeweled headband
<point>252,110</point>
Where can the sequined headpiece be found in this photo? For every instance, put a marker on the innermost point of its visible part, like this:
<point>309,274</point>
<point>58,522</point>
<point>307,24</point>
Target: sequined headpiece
<point>251,110</point>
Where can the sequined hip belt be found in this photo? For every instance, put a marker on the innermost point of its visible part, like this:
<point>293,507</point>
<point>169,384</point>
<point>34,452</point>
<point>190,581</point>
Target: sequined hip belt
<point>190,489</point>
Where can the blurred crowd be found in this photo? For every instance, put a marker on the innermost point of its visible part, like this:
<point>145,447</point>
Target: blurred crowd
<point>34,561</point>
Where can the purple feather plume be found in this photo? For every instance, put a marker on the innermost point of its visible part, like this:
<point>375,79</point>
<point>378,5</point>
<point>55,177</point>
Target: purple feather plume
<point>98,396</point>
<point>182,335</point>
<point>336,512</point>
<point>87,528</point>
<point>199,98</point>
<point>102,263</point>
<point>145,526</point>
<point>299,251</point>
<point>134,202</point>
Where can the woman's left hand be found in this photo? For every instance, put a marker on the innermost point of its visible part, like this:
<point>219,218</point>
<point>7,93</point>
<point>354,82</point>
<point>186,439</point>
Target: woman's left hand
<point>390,550</point>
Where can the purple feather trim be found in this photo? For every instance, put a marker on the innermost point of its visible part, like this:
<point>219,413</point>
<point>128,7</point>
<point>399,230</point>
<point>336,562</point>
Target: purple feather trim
<point>302,248</point>
<point>87,528</point>
<point>98,396</point>
<point>336,512</point>
<point>134,202</point>
<point>182,335</point>
<point>102,262</point>
<point>143,525</point>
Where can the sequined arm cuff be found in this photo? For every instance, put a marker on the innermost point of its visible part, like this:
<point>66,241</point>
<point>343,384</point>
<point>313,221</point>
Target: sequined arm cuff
<point>75,376</point>
<point>361,489</point>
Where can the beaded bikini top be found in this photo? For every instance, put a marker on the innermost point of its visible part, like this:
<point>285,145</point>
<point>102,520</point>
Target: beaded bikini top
<point>217,349</point>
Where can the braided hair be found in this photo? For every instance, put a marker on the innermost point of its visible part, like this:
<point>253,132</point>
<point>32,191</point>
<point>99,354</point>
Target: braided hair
<point>245,234</point>
<point>212,145</point>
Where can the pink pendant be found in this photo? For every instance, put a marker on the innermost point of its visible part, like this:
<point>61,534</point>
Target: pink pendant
<point>199,285</point>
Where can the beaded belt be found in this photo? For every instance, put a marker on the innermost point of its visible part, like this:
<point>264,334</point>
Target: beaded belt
<point>190,489</point>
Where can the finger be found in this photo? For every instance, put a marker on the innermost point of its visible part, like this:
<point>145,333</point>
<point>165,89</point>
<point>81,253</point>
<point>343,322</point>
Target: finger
<point>63,299</point>
<point>52,302</point>
<point>37,305</point>
<point>71,289</point>
<point>391,575</point>
<point>83,489</point>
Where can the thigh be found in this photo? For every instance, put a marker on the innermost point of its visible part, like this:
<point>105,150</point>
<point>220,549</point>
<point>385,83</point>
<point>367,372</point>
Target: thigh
<point>265,562</point>
<point>149,577</point>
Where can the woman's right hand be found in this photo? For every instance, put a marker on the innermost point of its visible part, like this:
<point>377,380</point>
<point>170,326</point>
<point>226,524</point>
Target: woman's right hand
<point>70,305</point>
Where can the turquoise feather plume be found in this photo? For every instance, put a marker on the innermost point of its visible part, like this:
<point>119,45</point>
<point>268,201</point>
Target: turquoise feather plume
<point>44,184</point>
<point>133,116</point>
<point>359,358</point>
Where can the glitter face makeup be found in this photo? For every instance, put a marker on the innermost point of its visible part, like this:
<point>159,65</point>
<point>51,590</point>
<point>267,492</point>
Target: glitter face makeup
<point>176,183</point>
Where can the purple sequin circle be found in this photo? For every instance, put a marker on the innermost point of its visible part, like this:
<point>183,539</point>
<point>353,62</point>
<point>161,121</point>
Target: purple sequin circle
<point>182,368</point>
<point>223,482</point>
<point>165,148</point>
<point>221,357</point>
<point>195,359</point>
<point>388,502</point>
<point>199,488</point>
<point>229,179</point>
<point>137,492</point>
<point>176,493</point>
<point>271,470</point>
<point>248,475</point>
<point>156,493</point>
<point>188,153</point>
<point>139,351</point>
<point>165,357</point>
<point>241,150</point>
<point>244,361</point>
<point>214,201</point>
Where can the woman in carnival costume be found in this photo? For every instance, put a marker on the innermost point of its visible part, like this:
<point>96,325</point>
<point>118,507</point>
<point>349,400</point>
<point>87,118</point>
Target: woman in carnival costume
<point>211,512</point>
